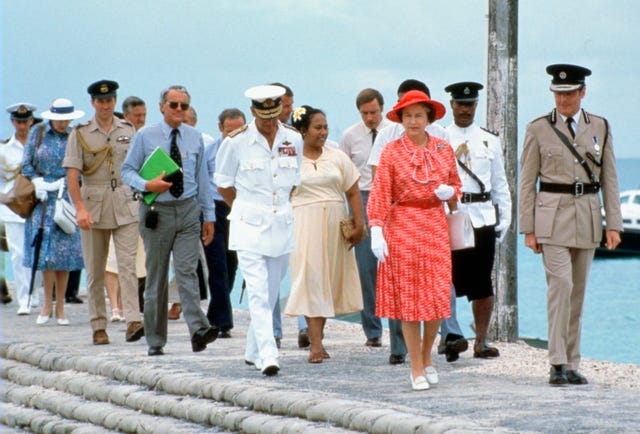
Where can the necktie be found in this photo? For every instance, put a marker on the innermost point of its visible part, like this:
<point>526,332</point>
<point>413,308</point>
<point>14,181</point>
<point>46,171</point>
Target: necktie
<point>178,187</point>
<point>374,133</point>
<point>569,122</point>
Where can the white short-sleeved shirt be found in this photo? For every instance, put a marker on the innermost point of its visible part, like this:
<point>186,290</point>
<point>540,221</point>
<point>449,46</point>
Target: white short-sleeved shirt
<point>357,143</point>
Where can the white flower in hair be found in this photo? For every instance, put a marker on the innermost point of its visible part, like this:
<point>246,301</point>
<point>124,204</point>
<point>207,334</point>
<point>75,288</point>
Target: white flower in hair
<point>298,113</point>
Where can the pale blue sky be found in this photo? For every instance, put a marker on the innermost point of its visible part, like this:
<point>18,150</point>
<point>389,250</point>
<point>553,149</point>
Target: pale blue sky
<point>325,50</point>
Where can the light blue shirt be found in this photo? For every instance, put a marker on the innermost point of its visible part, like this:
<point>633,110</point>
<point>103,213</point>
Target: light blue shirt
<point>195,175</point>
<point>210,151</point>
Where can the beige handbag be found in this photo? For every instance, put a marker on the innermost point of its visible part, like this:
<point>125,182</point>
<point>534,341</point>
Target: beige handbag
<point>21,199</point>
<point>460,231</point>
<point>347,225</point>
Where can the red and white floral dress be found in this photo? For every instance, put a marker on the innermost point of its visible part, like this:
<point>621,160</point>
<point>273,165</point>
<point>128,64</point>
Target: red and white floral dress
<point>414,282</point>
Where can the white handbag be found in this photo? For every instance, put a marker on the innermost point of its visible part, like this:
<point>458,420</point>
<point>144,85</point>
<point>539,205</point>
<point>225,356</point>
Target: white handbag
<point>460,231</point>
<point>64,214</point>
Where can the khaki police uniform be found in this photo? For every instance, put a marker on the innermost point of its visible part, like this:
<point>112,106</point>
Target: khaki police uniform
<point>568,225</point>
<point>98,156</point>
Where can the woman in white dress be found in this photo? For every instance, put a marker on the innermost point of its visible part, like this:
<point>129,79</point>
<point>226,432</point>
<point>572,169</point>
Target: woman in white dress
<point>324,274</point>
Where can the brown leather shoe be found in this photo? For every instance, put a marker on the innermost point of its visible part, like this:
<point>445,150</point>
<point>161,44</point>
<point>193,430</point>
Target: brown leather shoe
<point>100,337</point>
<point>135,330</point>
<point>175,311</point>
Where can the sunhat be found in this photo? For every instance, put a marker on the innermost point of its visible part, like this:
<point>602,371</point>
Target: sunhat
<point>62,109</point>
<point>416,97</point>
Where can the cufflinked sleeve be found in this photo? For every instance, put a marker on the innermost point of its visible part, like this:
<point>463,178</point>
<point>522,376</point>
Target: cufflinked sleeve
<point>205,195</point>
<point>133,162</point>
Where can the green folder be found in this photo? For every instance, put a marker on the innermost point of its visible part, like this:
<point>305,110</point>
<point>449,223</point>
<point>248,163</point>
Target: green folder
<point>153,166</point>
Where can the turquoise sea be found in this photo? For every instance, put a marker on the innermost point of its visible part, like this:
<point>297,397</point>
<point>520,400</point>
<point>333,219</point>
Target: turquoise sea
<point>611,319</point>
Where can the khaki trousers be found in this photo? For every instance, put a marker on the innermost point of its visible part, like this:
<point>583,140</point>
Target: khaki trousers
<point>95,248</point>
<point>566,270</point>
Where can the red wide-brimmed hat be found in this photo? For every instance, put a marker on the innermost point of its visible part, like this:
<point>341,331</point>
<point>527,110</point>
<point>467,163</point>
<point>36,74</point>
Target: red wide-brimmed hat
<point>416,97</point>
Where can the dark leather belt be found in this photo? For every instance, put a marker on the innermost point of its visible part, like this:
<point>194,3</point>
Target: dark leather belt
<point>576,189</point>
<point>475,197</point>
<point>429,203</point>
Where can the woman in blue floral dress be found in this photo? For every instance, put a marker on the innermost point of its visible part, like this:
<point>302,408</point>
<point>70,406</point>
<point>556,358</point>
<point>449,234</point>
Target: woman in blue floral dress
<point>42,163</point>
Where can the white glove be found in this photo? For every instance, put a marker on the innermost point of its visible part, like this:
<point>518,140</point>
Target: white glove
<point>53,186</point>
<point>41,184</point>
<point>501,230</point>
<point>41,194</point>
<point>378,244</point>
<point>38,183</point>
<point>444,192</point>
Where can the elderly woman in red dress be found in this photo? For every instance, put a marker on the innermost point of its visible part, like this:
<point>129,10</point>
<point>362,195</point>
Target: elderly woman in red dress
<point>409,233</point>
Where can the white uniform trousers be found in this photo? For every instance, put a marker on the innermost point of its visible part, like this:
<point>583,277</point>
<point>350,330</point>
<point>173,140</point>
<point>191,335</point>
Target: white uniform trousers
<point>262,275</point>
<point>21,274</point>
<point>567,270</point>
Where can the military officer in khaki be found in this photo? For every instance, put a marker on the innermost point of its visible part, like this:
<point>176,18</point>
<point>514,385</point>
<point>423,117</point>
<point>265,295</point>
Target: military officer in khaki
<point>105,207</point>
<point>570,152</point>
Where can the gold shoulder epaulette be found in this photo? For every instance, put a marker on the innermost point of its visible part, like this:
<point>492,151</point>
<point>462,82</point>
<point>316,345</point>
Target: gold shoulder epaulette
<point>290,127</point>
<point>83,124</point>
<point>4,142</point>
<point>237,131</point>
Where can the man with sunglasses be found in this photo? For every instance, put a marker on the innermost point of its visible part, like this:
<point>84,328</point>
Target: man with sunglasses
<point>172,223</point>
<point>105,207</point>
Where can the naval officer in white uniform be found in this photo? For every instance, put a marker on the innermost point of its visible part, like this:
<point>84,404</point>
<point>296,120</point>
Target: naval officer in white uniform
<point>257,168</point>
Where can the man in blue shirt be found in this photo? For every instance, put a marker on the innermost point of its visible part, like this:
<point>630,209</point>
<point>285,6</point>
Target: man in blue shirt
<point>221,261</point>
<point>171,224</point>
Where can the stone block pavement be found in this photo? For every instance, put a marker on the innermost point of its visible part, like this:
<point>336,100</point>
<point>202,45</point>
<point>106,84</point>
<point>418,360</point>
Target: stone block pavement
<point>53,380</point>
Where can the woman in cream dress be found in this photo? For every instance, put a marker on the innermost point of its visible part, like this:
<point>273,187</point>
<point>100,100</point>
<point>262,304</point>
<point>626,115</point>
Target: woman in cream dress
<point>324,274</point>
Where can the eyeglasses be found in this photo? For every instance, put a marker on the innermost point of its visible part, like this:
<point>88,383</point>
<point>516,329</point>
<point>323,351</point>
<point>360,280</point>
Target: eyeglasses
<point>183,105</point>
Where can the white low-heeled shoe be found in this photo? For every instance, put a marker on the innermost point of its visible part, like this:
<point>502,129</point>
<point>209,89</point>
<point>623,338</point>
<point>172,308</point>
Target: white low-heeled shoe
<point>63,321</point>
<point>419,383</point>
<point>42,319</point>
<point>431,374</point>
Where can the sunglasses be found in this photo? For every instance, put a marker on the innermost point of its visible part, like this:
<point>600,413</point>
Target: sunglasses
<point>174,105</point>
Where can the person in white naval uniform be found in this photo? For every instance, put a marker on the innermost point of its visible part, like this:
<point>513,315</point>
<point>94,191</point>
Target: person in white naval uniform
<point>10,164</point>
<point>257,168</point>
<point>486,199</point>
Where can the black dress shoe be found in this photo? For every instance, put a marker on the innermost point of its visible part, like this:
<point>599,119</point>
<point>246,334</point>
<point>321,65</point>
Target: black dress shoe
<point>373,342</point>
<point>74,299</point>
<point>202,337</point>
<point>455,345</point>
<point>303,338</point>
<point>396,359</point>
<point>558,375</point>
<point>574,377</point>
<point>155,351</point>
<point>224,334</point>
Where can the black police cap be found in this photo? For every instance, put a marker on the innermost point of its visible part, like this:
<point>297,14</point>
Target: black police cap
<point>567,78</point>
<point>465,91</point>
<point>103,89</point>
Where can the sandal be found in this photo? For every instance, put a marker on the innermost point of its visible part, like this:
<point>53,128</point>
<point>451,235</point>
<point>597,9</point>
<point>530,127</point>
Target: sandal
<point>315,358</point>
<point>325,355</point>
